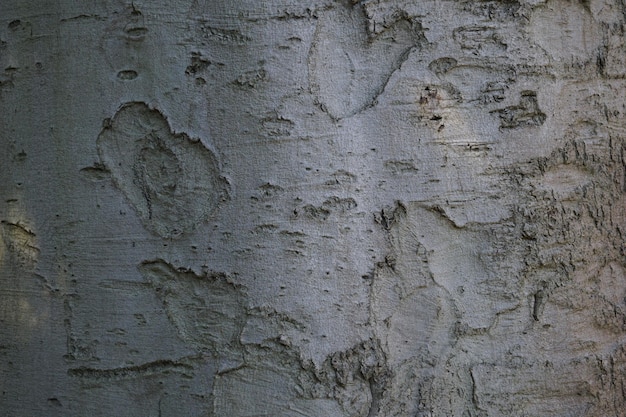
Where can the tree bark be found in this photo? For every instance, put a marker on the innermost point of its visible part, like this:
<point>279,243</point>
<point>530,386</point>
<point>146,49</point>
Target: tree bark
<point>328,208</point>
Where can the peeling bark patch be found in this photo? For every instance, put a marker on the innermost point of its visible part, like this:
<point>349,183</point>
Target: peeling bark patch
<point>199,64</point>
<point>333,204</point>
<point>221,35</point>
<point>127,75</point>
<point>613,61</point>
<point>349,69</point>
<point>539,299</point>
<point>442,65</point>
<point>341,177</point>
<point>250,79</point>
<point>573,219</point>
<point>20,243</point>
<point>479,38</point>
<point>493,10</point>
<point>403,166</point>
<point>135,29</point>
<point>340,204</point>
<point>97,172</point>
<point>127,372</point>
<point>363,366</point>
<point>526,113</point>
<point>135,33</point>
<point>388,216</point>
<point>172,181</point>
<point>493,92</point>
<point>313,212</point>
<point>14,24</point>
<point>208,311</point>
<point>412,313</point>
<point>267,192</point>
<point>6,79</point>
<point>54,402</point>
<point>276,381</point>
<point>277,126</point>
<point>542,389</point>
<point>267,391</point>
<point>77,347</point>
<point>564,180</point>
<point>9,70</point>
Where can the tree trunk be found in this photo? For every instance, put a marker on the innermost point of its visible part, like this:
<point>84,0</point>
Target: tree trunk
<point>323,208</point>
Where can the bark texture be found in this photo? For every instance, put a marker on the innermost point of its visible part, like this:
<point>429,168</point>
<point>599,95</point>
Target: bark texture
<point>327,208</point>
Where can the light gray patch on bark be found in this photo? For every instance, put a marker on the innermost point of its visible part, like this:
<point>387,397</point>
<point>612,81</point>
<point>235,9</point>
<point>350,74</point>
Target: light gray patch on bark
<point>350,67</point>
<point>172,181</point>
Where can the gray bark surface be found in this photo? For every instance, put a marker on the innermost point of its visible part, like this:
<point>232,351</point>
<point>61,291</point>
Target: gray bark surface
<point>327,208</point>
